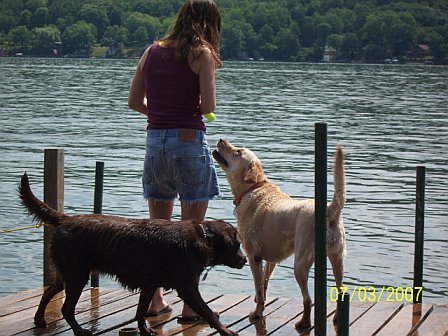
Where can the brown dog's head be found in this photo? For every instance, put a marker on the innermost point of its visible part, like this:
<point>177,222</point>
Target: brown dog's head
<point>226,244</point>
<point>241,165</point>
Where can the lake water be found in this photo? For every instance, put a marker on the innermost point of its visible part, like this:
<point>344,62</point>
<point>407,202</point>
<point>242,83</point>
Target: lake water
<point>388,118</point>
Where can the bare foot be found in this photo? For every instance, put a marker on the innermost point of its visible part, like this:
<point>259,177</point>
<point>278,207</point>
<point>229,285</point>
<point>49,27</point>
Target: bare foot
<point>158,303</point>
<point>187,312</point>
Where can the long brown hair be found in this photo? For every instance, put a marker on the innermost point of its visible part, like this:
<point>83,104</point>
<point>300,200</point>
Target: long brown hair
<point>198,25</point>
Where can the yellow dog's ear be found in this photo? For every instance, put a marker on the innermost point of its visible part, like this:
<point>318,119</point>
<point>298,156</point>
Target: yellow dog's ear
<point>254,172</point>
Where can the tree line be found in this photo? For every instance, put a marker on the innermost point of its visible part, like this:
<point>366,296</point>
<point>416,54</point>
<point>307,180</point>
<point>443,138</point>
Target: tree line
<point>275,30</point>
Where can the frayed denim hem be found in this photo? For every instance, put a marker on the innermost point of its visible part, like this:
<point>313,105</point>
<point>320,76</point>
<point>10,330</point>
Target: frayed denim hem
<point>197,200</point>
<point>155,199</point>
<point>200,200</point>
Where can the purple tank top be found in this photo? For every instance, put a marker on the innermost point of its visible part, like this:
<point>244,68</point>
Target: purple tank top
<point>172,91</point>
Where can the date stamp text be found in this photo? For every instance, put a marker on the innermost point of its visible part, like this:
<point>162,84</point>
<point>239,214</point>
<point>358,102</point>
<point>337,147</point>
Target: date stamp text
<point>376,294</point>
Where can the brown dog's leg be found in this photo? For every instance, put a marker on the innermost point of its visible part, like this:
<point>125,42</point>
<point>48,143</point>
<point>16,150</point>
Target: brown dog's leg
<point>146,295</point>
<point>256,266</point>
<point>190,294</point>
<point>56,287</point>
<point>73,289</point>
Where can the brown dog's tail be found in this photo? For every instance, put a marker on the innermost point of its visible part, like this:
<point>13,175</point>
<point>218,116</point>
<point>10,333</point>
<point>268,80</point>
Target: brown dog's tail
<point>338,201</point>
<point>36,208</point>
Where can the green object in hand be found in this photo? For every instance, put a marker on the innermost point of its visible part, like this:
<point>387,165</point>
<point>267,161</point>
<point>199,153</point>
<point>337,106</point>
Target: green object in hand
<point>210,116</point>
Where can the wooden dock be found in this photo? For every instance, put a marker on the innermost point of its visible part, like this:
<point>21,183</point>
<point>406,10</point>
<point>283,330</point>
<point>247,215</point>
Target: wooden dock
<point>107,310</point>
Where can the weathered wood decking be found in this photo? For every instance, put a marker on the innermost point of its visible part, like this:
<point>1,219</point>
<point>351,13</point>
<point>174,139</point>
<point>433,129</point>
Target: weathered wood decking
<point>106,310</point>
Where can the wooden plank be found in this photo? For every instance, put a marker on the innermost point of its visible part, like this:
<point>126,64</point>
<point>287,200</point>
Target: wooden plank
<point>171,327</point>
<point>357,309</point>
<point>331,328</point>
<point>24,307</point>
<point>16,312</point>
<point>18,304</point>
<point>406,319</point>
<point>106,310</point>
<point>436,324</point>
<point>115,315</point>
<point>374,318</point>
<point>289,328</point>
<point>53,313</point>
<point>229,308</point>
<point>276,319</point>
<point>6,301</point>
<point>274,315</point>
<point>238,316</point>
<point>23,319</point>
<point>84,309</point>
<point>110,325</point>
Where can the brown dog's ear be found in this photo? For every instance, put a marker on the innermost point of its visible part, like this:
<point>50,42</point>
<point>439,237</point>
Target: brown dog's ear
<point>254,173</point>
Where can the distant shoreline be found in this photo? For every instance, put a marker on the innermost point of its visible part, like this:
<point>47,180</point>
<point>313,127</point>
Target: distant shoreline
<point>232,60</point>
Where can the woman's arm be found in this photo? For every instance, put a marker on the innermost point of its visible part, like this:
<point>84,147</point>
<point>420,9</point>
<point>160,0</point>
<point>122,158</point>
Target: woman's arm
<point>137,97</point>
<point>207,82</point>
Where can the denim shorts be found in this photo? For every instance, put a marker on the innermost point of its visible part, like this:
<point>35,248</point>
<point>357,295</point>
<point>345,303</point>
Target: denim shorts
<point>178,162</point>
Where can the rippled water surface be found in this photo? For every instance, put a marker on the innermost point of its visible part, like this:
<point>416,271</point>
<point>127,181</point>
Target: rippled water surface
<point>388,118</point>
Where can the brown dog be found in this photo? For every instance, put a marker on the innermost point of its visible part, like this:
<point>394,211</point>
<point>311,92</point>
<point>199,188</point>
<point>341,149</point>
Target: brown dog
<point>273,226</point>
<point>140,253</point>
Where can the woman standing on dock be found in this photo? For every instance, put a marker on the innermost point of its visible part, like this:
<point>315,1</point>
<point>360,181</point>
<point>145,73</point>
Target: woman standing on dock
<point>174,85</point>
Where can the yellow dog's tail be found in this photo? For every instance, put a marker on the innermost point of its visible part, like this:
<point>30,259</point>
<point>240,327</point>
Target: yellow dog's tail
<point>36,208</point>
<point>338,201</point>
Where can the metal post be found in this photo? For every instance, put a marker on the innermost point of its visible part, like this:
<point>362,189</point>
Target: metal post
<point>99,181</point>
<point>419,234</point>
<point>343,314</point>
<point>320,273</point>
<point>97,208</point>
<point>54,197</point>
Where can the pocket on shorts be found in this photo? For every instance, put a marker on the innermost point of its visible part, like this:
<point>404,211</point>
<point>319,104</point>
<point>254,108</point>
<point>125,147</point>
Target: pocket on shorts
<point>191,171</point>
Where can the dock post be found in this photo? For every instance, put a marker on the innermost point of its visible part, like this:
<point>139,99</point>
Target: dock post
<point>97,208</point>
<point>419,234</point>
<point>343,309</point>
<point>320,226</point>
<point>54,197</point>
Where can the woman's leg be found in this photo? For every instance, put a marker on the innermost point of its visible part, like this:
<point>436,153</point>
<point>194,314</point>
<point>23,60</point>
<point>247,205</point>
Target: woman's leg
<point>196,211</point>
<point>159,210</point>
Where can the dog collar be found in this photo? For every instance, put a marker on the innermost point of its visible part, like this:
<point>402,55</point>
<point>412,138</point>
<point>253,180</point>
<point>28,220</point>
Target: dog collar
<point>237,200</point>
<point>209,236</point>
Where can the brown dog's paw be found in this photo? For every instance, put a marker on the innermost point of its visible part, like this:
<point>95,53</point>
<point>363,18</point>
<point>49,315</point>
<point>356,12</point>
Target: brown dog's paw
<point>39,322</point>
<point>227,332</point>
<point>147,332</point>
<point>83,332</point>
